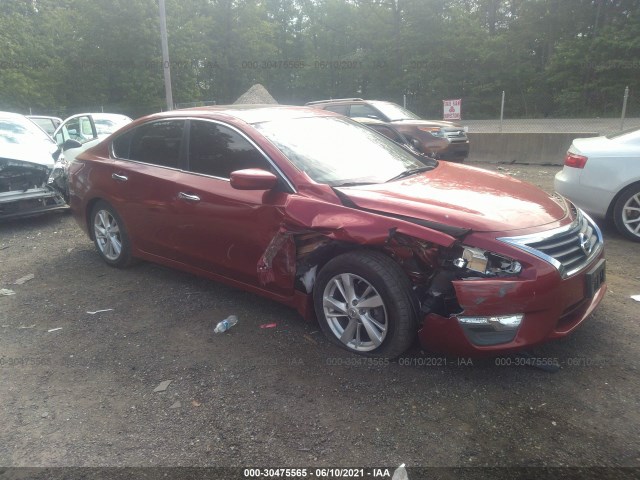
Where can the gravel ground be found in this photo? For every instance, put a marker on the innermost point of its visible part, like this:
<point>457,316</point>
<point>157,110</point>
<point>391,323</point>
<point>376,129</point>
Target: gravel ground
<point>78,389</point>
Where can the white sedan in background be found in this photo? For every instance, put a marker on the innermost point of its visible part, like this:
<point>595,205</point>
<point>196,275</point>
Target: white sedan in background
<point>602,176</point>
<point>80,132</point>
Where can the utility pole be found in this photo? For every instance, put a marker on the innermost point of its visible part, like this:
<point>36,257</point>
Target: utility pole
<point>166,66</point>
<point>624,107</point>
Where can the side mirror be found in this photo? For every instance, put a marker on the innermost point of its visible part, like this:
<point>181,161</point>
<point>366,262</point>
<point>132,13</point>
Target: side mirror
<point>70,143</point>
<point>253,179</point>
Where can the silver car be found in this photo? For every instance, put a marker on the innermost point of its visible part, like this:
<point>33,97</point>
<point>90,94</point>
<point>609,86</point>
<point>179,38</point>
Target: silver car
<point>27,159</point>
<point>602,176</point>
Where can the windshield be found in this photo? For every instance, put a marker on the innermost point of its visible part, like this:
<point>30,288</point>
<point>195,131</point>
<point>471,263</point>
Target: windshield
<point>108,125</point>
<point>17,130</point>
<point>395,112</point>
<point>338,151</point>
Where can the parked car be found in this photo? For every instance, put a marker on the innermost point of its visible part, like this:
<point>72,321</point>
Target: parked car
<point>602,176</point>
<point>80,132</point>
<point>48,124</point>
<point>318,212</point>
<point>388,131</point>
<point>438,139</point>
<point>27,159</point>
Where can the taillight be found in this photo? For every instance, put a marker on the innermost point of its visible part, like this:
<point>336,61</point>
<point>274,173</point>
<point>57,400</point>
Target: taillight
<point>574,160</point>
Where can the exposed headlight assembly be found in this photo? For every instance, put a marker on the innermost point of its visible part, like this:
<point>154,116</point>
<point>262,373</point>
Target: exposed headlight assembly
<point>486,263</point>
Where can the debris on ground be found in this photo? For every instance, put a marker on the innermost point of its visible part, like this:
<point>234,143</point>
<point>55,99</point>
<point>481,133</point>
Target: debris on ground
<point>309,339</point>
<point>23,327</point>
<point>195,403</point>
<point>6,291</point>
<point>162,386</point>
<point>636,298</point>
<point>100,311</point>
<point>176,404</point>
<point>24,279</point>
<point>400,473</point>
<point>54,329</point>
<point>269,325</point>
<point>226,324</point>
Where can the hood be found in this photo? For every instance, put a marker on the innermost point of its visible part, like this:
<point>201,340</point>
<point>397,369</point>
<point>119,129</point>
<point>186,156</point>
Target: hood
<point>428,123</point>
<point>462,197</point>
<point>40,153</point>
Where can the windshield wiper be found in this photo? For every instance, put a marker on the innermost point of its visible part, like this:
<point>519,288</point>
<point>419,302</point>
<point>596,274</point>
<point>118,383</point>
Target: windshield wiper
<point>352,184</point>
<point>408,173</point>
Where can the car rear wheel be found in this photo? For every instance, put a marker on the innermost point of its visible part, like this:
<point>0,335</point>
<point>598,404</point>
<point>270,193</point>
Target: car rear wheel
<point>626,213</point>
<point>110,235</point>
<point>364,304</point>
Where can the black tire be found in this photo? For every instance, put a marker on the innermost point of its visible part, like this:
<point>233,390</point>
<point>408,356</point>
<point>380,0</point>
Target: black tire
<point>388,285</point>
<point>624,218</point>
<point>109,233</point>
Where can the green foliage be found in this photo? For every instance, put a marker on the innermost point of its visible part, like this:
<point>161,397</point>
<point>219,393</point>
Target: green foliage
<point>551,57</point>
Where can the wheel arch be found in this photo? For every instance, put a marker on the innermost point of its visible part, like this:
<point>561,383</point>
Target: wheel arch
<point>635,183</point>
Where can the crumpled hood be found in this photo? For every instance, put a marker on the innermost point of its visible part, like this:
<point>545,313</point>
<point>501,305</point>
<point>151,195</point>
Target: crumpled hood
<point>38,152</point>
<point>463,197</point>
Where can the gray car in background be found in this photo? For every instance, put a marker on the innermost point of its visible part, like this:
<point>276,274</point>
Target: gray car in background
<point>602,176</point>
<point>435,138</point>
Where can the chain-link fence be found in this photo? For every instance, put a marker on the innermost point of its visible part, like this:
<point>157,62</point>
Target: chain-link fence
<point>521,113</point>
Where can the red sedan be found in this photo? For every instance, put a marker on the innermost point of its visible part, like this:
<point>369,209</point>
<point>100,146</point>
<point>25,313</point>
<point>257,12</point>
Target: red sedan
<point>318,212</point>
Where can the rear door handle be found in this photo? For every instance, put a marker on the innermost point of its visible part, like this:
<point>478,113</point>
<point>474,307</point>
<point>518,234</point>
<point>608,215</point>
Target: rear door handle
<point>189,198</point>
<point>119,178</point>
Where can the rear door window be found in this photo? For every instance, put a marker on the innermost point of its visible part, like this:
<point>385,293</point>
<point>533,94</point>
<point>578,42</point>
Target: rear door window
<point>158,143</point>
<point>218,150</point>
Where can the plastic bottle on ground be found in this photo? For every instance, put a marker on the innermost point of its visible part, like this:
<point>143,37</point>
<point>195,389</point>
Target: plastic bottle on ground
<point>226,324</point>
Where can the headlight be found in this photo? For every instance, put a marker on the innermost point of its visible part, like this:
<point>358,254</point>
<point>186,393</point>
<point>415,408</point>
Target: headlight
<point>435,131</point>
<point>59,170</point>
<point>486,263</point>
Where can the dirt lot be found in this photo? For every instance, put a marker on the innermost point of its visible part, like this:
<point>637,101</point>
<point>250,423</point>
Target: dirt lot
<point>83,395</point>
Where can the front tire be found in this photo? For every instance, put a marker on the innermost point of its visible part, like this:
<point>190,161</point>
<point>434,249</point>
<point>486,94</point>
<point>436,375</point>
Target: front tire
<point>364,304</point>
<point>626,213</point>
<point>110,235</point>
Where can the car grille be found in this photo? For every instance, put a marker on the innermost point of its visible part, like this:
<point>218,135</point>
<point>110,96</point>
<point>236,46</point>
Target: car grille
<point>568,249</point>
<point>456,134</point>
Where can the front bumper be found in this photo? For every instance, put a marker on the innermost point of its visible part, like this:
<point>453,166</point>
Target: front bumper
<point>552,306</point>
<point>592,199</point>
<point>30,202</point>
<point>456,151</point>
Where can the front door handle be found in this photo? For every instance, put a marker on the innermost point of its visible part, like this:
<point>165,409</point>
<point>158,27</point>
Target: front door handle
<point>119,178</point>
<point>188,197</point>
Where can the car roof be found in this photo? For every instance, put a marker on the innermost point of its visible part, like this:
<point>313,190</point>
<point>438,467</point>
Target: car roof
<point>250,114</point>
<point>11,115</point>
<point>100,115</point>
<point>48,117</point>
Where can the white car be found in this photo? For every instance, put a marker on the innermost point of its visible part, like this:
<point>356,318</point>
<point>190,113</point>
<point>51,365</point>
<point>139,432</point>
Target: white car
<point>80,132</point>
<point>602,176</point>
<point>27,164</point>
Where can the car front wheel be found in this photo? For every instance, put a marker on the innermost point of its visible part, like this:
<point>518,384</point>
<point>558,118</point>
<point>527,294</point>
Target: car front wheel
<point>626,213</point>
<point>110,235</point>
<point>364,304</point>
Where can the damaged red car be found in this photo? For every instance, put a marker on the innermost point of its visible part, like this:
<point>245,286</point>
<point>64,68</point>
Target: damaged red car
<point>313,210</point>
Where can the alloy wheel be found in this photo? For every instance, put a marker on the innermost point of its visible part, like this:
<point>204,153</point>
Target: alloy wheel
<point>107,233</point>
<point>355,312</point>
<point>631,214</point>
